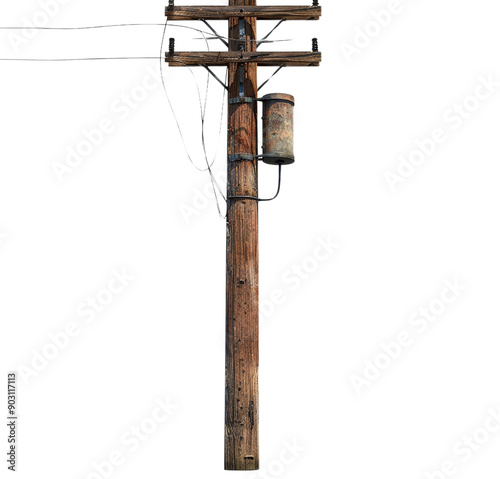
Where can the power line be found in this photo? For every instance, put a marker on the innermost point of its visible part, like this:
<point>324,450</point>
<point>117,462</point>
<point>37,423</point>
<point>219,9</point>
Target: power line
<point>210,36</point>
<point>209,166</point>
<point>161,58</point>
<point>206,36</point>
<point>73,59</point>
<point>202,112</point>
<point>91,27</point>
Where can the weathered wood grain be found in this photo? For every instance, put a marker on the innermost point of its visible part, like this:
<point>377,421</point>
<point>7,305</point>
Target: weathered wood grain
<point>261,13</point>
<point>242,252</point>
<point>262,59</point>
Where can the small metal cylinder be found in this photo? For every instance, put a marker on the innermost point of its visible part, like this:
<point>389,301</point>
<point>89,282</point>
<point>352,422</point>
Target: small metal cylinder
<point>277,133</point>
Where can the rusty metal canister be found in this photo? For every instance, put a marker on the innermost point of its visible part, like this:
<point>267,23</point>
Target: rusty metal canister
<point>277,132</point>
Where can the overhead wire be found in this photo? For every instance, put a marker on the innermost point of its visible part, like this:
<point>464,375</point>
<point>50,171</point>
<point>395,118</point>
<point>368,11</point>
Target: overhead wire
<point>256,198</point>
<point>170,102</point>
<point>74,59</point>
<point>91,27</point>
<point>213,180</point>
<point>203,106</point>
<point>209,166</point>
<point>279,187</point>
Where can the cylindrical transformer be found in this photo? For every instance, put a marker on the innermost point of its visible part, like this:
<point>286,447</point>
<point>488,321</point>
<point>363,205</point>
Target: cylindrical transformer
<point>277,133</point>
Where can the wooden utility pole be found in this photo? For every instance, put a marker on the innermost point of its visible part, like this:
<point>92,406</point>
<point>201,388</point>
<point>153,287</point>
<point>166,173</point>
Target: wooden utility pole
<point>242,253</point>
<point>242,257</point>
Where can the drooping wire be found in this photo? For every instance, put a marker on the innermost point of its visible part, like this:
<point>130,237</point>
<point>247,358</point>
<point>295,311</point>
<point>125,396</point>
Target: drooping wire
<point>170,101</point>
<point>203,110</point>
<point>203,107</point>
<point>215,185</point>
<point>256,198</point>
<point>168,98</point>
<point>224,92</point>
<point>279,187</point>
<point>73,59</point>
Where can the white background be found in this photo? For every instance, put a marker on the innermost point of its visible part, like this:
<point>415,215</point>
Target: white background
<point>162,337</point>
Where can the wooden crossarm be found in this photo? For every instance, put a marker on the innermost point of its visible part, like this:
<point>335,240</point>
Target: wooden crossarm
<point>264,59</point>
<point>226,12</point>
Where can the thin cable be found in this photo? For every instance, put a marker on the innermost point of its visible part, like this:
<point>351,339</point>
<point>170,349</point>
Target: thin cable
<point>224,92</point>
<point>170,102</point>
<point>215,184</point>
<point>206,91</point>
<point>209,166</point>
<point>271,32</point>
<point>85,27</point>
<point>73,59</point>
<point>243,197</point>
<point>93,27</point>
<point>260,55</point>
<point>217,36</point>
<point>222,114</point>
<point>279,187</point>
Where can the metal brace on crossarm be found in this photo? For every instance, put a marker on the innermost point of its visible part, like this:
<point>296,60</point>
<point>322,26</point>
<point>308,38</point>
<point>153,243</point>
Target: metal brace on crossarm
<point>215,76</point>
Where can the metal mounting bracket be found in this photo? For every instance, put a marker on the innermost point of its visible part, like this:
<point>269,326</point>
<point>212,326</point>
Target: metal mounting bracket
<point>215,76</point>
<point>241,99</point>
<point>242,156</point>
